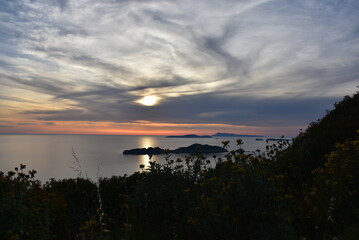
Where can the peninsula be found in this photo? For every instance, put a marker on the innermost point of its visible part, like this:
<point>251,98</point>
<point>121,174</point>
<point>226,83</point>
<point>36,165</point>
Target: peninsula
<point>234,135</point>
<point>215,135</point>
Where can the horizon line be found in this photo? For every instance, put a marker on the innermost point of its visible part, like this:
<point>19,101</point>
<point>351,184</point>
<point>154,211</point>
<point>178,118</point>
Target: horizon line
<point>92,134</point>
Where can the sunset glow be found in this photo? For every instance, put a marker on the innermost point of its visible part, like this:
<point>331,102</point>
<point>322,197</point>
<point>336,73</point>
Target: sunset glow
<point>166,67</point>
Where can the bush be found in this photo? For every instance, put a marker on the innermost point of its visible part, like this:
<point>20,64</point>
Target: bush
<point>306,190</point>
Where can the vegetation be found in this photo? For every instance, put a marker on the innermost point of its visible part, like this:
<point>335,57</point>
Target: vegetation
<point>304,190</point>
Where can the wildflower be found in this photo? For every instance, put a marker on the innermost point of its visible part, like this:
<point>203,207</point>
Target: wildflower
<point>192,220</point>
<point>288,196</point>
<point>225,144</point>
<point>22,166</point>
<point>127,225</point>
<point>278,198</point>
<point>32,173</point>
<point>226,209</point>
<point>213,179</point>
<point>10,173</point>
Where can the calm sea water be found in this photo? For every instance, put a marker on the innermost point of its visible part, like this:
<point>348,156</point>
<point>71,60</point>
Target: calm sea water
<point>98,156</point>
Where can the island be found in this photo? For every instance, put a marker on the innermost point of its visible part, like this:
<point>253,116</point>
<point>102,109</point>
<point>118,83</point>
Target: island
<point>203,148</point>
<point>234,135</point>
<point>189,136</point>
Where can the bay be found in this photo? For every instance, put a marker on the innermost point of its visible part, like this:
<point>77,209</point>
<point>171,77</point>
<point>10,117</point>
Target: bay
<point>98,155</point>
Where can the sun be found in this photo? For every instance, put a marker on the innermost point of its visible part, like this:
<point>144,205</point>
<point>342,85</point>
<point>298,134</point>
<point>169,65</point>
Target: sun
<point>148,100</point>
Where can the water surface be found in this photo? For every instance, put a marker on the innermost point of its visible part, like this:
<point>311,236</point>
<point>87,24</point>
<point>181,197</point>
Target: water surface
<point>99,156</point>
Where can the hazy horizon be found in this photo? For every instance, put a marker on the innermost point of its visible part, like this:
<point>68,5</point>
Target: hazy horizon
<point>114,67</point>
<point>212,134</point>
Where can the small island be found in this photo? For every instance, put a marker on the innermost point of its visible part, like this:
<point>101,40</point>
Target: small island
<point>205,149</point>
<point>189,136</point>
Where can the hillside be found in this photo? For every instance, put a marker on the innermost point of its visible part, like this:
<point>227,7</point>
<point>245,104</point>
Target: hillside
<point>304,190</point>
<point>309,148</point>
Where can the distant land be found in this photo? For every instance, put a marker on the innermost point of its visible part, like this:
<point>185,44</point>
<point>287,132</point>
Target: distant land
<point>190,136</point>
<point>234,135</point>
<point>279,139</point>
<point>190,149</point>
<point>215,135</point>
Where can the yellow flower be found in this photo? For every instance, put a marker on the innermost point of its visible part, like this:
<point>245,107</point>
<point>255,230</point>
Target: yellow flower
<point>192,220</point>
<point>288,196</point>
<point>127,225</point>
<point>226,209</point>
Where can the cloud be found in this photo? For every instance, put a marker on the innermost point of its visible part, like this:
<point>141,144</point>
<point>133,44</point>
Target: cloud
<point>60,115</point>
<point>26,124</point>
<point>203,108</point>
<point>253,62</point>
<point>6,126</point>
<point>16,99</point>
<point>62,3</point>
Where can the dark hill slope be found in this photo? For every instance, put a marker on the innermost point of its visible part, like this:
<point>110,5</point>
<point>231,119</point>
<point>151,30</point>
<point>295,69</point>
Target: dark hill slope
<point>309,148</point>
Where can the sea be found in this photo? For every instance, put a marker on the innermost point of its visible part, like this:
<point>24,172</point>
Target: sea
<point>95,156</point>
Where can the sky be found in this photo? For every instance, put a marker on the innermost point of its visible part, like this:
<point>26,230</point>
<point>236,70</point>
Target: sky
<point>156,67</point>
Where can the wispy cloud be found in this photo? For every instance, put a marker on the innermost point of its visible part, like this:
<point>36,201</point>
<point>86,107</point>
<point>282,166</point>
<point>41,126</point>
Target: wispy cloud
<point>251,62</point>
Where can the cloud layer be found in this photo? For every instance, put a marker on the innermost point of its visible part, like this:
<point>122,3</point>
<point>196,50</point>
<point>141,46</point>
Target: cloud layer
<point>255,63</point>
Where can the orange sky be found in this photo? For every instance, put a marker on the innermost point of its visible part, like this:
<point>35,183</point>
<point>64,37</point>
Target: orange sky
<point>136,128</point>
<point>174,67</point>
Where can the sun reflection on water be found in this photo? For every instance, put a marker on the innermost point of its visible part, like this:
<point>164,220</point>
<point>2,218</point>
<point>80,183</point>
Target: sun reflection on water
<point>146,142</point>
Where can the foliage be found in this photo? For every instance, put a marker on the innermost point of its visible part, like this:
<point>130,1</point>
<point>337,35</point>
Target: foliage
<point>333,199</point>
<point>304,190</point>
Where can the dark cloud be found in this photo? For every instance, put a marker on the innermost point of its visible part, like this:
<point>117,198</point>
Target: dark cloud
<point>204,108</point>
<point>214,45</point>
<point>62,3</point>
<point>16,99</point>
<point>255,63</point>
<point>72,30</point>
<point>37,84</point>
<point>79,58</point>
<point>6,126</point>
<point>211,108</point>
<point>26,124</point>
<point>52,112</point>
